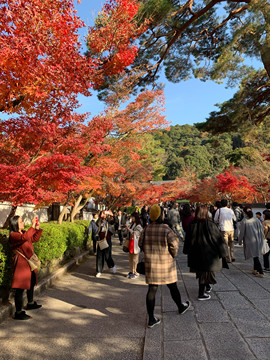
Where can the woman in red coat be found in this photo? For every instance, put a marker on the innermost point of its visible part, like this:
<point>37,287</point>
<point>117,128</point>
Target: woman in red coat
<point>23,277</point>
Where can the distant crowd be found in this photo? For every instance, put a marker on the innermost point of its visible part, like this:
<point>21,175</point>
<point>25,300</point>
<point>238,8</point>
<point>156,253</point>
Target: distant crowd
<point>151,236</point>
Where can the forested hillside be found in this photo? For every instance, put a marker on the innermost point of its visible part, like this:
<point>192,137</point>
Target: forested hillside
<point>186,149</point>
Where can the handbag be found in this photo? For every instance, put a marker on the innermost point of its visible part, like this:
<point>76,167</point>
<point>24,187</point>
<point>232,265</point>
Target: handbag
<point>103,244</point>
<point>131,244</point>
<point>126,246</point>
<point>33,262</point>
<point>141,268</point>
<point>265,247</point>
<point>141,264</point>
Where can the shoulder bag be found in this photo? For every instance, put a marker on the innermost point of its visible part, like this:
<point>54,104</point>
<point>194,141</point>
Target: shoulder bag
<point>126,246</point>
<point>141,264</point>
<point>103,243</point>
<point>33,262</point>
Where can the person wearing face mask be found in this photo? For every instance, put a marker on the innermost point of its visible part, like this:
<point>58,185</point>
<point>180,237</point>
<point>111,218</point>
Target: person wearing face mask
<point>23,277</point>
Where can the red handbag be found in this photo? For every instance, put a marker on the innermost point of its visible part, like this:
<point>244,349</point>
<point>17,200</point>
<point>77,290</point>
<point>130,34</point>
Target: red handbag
<point>131,244</point>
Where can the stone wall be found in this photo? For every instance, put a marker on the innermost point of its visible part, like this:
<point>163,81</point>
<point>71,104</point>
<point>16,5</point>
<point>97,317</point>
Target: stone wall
<point>26,212</point>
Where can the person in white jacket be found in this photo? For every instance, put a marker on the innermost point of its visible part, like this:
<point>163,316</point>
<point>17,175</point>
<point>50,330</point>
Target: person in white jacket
<point>224,218</point>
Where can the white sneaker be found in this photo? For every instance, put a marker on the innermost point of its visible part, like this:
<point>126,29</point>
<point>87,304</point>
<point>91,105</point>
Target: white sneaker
<point>114,269</point>
<point>98,274</point>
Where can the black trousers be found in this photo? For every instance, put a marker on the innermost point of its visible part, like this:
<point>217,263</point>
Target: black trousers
<point>151,297</point>
<point>30,294</point>
<point>120,235</point>
<point>94,239</point>
<point>257,265</point>
<point>104,255</point>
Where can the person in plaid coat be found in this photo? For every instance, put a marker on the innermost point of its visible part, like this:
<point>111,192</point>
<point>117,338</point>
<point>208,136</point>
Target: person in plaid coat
<point>160,246</point>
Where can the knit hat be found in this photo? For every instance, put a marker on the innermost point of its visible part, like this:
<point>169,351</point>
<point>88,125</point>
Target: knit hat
<point>154,212</point>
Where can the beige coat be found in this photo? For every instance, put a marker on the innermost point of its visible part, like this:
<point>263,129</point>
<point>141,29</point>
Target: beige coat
<point>266,228</point>
<point>160,246</point>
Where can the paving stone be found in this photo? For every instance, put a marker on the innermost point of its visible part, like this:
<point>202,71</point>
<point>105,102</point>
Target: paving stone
<point>180,327</point>
<point>223,342</point>
<point>263,306</point>
<point>153,340</point>
<point>234,300</point>
<point>261,347</point>
<point>223,284</point>
<point>250,322</point>
<point>210,311</point>
<point>254,293</point>
<point>184,350</point>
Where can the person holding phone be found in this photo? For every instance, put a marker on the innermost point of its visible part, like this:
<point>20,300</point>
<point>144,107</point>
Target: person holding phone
<point>23,278</point>
<point>105,254</point>
<point>134,232</point>
<point>120,223</point>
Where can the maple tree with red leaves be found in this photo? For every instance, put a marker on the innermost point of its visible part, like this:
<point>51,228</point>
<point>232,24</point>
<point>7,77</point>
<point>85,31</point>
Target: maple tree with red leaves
<point>111,41</point>
<point>234,187</point>
<point>47,151</point>
<point>259,178</point>
<point>205,191</point>
<point>123,169</point>
<point>40,57</point>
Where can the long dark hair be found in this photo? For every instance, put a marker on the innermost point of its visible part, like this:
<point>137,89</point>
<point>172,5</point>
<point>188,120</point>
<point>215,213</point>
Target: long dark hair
<point>186,210</point>
<point>247,210</point>
<point>201,213</point>
<point>266,213</point>
<point>14,224</point>
<point>137,218</point>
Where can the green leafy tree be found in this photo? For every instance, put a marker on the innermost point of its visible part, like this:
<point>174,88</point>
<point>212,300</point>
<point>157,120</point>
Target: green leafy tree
<point>189,150</point>
<point>153,155</point>
<point>247,109</point>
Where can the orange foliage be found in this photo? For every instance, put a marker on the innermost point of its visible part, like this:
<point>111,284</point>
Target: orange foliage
<point>205,191</point>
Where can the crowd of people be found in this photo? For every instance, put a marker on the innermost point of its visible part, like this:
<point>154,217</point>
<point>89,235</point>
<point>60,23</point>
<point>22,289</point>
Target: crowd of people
<point>208,234</point>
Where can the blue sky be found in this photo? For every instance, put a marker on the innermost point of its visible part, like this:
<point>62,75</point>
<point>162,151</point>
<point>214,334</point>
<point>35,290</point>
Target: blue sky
<point>187,102</point>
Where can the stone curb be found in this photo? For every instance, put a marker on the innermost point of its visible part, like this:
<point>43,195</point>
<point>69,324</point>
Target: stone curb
<point>8,309</point>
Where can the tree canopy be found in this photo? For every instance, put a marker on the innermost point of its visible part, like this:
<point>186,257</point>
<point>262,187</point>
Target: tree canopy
<point>207,39</point>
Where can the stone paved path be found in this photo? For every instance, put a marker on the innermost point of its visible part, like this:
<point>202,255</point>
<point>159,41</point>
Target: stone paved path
<point>88,318</point>
<point>234,324</point>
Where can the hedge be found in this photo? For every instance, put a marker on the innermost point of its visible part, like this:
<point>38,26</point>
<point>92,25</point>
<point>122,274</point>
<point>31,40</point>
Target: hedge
<point>55,243</point>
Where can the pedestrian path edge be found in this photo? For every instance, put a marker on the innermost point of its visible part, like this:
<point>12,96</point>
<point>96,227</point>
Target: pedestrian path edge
<point>7,310</point>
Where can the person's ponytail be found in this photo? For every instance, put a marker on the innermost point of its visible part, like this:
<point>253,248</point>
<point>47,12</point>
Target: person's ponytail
<point>248,212</point>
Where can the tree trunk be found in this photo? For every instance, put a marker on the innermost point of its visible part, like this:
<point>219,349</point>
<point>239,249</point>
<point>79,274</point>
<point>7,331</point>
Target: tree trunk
<point>62,214</point>
<point>265,55</point>
<point>265,49</point>
<point>11,214</point>
<point>77,207</point>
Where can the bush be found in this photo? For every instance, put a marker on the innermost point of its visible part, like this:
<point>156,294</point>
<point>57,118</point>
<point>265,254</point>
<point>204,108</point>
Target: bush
<point>5,260</point>
<point>54,242</point>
